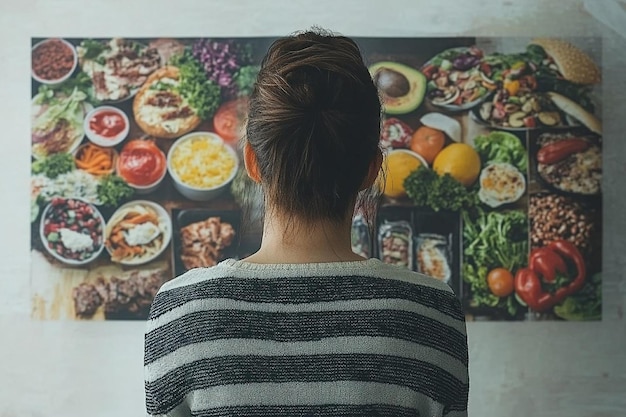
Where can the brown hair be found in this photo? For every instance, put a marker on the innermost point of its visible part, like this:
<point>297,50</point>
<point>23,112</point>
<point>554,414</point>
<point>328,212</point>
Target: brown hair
<point>314,125</point>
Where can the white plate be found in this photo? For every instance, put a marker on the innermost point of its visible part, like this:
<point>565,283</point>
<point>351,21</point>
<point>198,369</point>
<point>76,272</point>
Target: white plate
<point>164,218</point>
<point>87,107</point>
<point>132,91</point>
<point>452,107</point>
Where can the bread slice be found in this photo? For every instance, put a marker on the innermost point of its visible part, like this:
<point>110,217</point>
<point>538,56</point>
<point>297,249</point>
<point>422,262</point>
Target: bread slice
<point>574,64</point>
<point>576,111</point>
<point>160,110</point>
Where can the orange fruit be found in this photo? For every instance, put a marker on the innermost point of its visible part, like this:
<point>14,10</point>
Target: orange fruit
<point>427,142</point>
<point>459,160</point>
<point>399,165</point>
<point>501,282</point>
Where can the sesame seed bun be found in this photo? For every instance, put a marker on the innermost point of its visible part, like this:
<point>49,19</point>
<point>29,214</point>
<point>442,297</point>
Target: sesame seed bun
<point>576,111</point>
<point>574,64</point>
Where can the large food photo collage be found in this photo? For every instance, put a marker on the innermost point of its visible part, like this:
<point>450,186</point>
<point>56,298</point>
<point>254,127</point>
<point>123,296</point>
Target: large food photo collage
<point>492,155</point>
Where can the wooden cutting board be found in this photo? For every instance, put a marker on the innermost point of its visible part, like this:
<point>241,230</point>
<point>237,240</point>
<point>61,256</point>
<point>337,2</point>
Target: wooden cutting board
<point>52,285</point>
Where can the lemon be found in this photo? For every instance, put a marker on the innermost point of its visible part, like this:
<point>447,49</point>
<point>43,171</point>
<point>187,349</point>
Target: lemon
<point>400,164</point>
<point>459,160</point>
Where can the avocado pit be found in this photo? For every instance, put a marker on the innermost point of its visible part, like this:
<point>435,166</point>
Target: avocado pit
<point>392,83</point>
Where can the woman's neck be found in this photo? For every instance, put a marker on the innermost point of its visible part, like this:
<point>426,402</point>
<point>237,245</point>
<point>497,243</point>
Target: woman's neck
<point>298,242</point>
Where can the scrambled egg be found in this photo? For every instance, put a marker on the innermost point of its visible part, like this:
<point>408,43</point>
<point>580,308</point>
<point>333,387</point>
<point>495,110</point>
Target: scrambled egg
<point>203,162</point>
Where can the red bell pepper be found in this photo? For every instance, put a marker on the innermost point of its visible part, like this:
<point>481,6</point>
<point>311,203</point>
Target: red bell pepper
<point>545,263</point>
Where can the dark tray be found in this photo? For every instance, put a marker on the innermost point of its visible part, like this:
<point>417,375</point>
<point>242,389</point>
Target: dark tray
<point>182,218</point>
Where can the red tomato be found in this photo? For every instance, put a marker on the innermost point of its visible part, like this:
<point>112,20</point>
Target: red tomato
<point>228,121</point>
<point>501,282</point>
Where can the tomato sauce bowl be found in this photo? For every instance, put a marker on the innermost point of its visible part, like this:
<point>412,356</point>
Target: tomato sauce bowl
<point>142,165</point>
<point>106,126</point>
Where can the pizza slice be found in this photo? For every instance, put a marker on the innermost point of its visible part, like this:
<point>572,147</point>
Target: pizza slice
<point>160,110</point>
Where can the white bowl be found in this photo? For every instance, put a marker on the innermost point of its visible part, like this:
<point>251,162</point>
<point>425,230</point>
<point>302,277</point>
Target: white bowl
<point>64,77</point>
<point>147,189</point>
<point>409,152</point>
<point>101,140</point>
<point>113,169</point>
<point>57,256</point>
<point>199,193</point>
<point>164,217</point>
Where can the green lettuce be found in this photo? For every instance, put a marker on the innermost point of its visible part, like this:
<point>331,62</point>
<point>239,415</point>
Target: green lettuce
<point>502,147</point>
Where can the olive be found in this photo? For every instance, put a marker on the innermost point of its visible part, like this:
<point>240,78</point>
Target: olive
<point>392,83</point>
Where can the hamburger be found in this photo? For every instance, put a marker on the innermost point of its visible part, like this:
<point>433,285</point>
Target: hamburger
<point>572,63</point>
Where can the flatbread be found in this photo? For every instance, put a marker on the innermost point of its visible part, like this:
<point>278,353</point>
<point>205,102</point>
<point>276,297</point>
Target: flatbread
<point>160,110</point>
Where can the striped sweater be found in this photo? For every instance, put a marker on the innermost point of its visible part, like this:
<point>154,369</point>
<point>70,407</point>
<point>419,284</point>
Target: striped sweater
<point>330,339</point>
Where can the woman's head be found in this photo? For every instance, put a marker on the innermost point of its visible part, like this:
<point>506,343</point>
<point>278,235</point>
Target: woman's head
<point>314,126</point>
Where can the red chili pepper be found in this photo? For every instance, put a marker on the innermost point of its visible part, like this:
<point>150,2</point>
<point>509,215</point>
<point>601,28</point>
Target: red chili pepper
<point>545,263</point>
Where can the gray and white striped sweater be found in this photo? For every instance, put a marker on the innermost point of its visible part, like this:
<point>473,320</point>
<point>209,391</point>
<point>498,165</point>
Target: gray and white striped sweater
<point>330,339</point>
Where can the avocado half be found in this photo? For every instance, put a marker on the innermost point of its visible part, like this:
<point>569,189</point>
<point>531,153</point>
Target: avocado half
<point>402,88</point>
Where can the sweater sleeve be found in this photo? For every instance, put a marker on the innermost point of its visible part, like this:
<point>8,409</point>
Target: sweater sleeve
<point>158,403</point>
<point>459,407</point>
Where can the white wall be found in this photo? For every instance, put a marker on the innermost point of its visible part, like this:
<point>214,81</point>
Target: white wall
<point>95,369</point>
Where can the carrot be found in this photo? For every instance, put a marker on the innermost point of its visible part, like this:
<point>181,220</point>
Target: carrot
<point>99,160</point>
<point>95,159</point>
<point>142,218</point>
<point>117,238</point>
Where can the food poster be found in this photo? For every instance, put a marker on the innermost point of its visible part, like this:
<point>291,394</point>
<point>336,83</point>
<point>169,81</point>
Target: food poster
<point>492,157</point>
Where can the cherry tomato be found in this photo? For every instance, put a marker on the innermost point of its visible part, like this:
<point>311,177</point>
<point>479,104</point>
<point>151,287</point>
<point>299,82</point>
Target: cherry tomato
<point>228,121</point>
<point>501,282</point>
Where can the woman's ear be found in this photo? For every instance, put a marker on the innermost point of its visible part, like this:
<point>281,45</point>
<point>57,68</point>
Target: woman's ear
<point>249,160</point>
<point>373,170</point>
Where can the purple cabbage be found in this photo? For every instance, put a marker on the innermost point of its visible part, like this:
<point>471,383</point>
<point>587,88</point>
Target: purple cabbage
<point>221,60</point>
<point>465,62</point>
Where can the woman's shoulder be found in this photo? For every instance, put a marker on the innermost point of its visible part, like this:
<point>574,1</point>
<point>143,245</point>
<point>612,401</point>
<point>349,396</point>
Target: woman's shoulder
<point>183,288</point>
<point>408,277</point>
<point>192,277</point>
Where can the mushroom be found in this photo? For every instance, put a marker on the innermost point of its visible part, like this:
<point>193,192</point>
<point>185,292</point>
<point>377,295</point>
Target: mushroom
<point>451,95</point>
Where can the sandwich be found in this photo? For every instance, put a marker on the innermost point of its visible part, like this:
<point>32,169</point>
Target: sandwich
<point>572,63</point>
